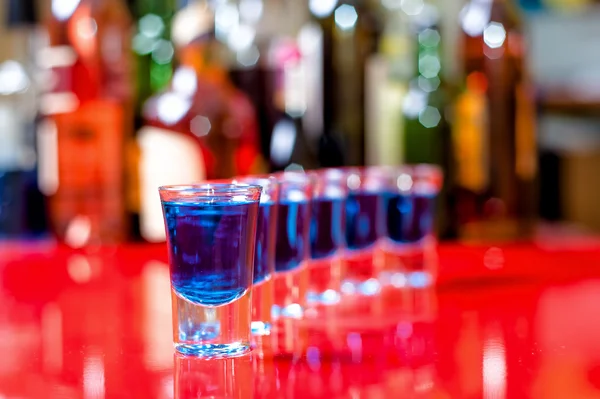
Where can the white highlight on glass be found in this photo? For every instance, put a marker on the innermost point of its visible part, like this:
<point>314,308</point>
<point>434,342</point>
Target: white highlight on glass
<point>163,52</point>
<point>191,22</point>
<point>429,65</point>
<point>428,85</point>
<point>171,107</point>
<point>13,78</point>
<point>322,8</point>
<point>414,103</point>
<point>412,7</point>
<point>430,117</point>
<point>151,26</point>
<point>346,17</point>
<point>142,44</point>
<point>429,38</point>
<point>226,18</point>
<point>47,144</point>
<point>353,182</point>
<point>392,4</point>
<point>63,9</point>
<point>248,57</point>
<point>370,287</point>
<point>78,231</point>
<point>494,35</point>
<point>475,16</point>
<point>87,28</point>
<point>200,126</point>
<point>251,10</point>
<point>241,37</point>
<point>294,88</point>
<point>494,369</point>
<point>184,81</point>
<point>404,182</point>
<point>282,142</point>
<point>93,378</point>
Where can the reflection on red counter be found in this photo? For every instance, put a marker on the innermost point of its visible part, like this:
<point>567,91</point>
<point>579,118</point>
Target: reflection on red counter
<point>97,324</point>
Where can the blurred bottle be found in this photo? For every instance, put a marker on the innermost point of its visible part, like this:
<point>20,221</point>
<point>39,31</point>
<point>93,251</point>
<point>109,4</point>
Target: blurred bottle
<point>268,62</point>
<point>406,95</point>
<point>388,72</point>
<point>494,138</point>
<point>427,132</point>
<point>22,209</point>
<point>350,33</point>
<point>201,127</point>
<point>154,54</point>
<point>89,115</point>
<point>153,48</point>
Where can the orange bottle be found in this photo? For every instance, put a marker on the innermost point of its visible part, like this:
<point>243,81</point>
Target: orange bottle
<point>88,117</point>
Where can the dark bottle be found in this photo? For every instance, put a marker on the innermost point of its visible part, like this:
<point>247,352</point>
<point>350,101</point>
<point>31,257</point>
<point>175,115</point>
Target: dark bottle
<point>494,138</point>
<point>350,32</point>
<point>22,209</point>
<point>266,61</point>
<point>201,126</point>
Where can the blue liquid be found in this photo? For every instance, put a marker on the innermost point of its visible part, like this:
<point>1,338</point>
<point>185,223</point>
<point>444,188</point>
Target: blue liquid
<point>265,241</point>
<point>327,227</point>
<point>292,242</point>
<point>409,217</point>
<point>210,249</point>
<point>365,219</point>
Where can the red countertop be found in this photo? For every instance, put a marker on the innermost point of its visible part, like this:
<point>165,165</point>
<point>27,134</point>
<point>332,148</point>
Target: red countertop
<point>512,321</point>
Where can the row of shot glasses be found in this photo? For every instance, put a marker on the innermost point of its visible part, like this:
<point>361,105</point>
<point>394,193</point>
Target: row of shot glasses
<point>251,256</point>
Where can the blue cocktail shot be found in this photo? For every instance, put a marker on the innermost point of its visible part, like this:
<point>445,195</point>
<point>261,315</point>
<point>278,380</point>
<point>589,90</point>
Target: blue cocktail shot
<point>264,261</point>
<point>410,215</point>
<point>211,240</point>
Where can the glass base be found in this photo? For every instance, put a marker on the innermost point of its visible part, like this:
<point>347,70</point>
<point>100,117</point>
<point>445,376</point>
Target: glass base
<point>361,272</point>
<point>262,304</point>
<point>213,351</point>
<point>411,265</point>
<point>324,282</point>
<point>290,294</point>
<point>211,331</point>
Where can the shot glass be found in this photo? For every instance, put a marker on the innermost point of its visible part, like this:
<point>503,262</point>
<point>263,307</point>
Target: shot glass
<point>211,238</point>
<point>264,259</point>
<point>327,237</point>
<point>365,226</point>
<point>409,245</point>
<point>292,246</point>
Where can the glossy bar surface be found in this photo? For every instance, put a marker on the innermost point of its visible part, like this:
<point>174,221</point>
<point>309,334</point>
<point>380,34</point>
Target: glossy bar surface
<point>511,321</point>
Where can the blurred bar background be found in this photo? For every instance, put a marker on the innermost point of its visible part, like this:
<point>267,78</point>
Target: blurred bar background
<point>102,101</point>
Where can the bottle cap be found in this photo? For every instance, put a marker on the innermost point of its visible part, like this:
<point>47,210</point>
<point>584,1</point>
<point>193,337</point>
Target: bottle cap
<point>21,12</point>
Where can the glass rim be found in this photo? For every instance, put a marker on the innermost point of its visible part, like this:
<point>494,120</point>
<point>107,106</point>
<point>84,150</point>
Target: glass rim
<point>257,180</point>
<point>207,187</point>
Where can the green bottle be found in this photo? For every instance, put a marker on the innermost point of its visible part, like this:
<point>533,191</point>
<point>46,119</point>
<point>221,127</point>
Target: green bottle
<point>427,132</point>
<point>425,128</point>
<point>152,46</point>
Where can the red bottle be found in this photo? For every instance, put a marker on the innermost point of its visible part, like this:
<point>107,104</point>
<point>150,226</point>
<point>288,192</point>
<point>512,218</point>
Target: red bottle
<point>201,127</point>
